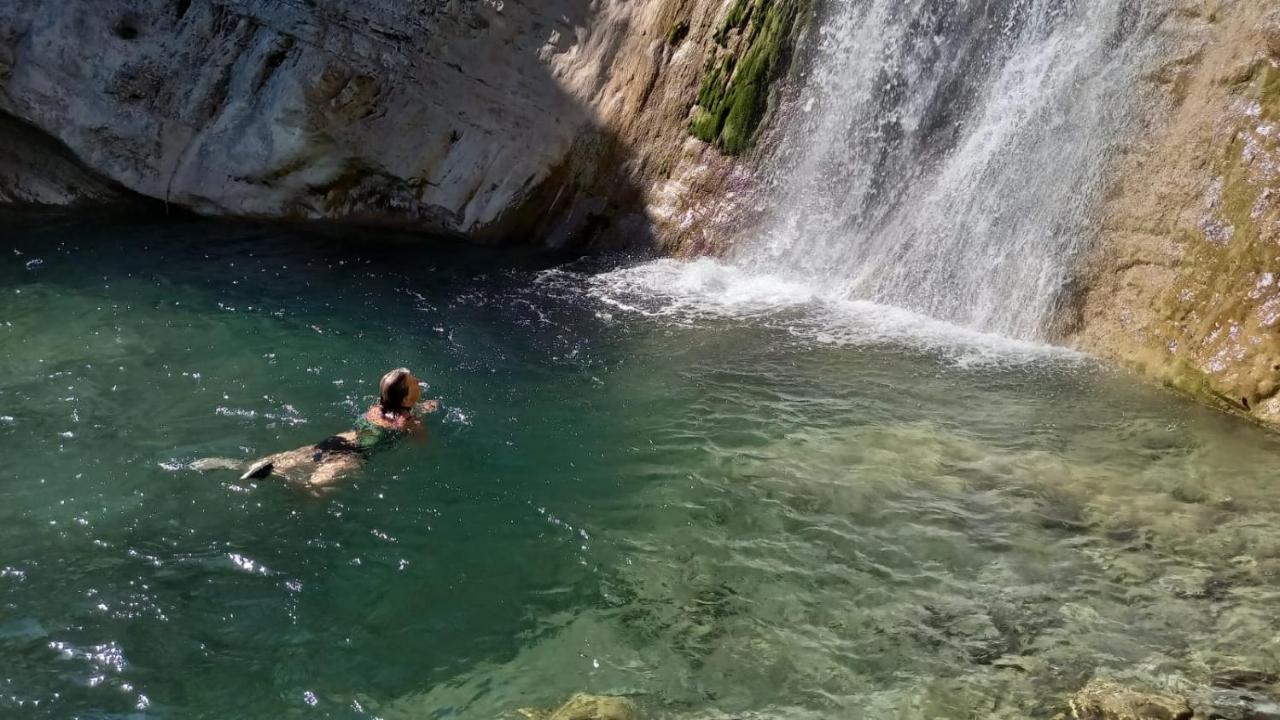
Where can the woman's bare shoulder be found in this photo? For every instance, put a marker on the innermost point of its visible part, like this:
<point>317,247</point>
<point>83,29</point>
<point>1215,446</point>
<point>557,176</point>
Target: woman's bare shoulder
<point>374,415</point>
<point>398,421</point>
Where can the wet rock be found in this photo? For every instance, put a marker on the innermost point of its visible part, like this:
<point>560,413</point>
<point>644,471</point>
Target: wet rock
<point>1025,664</point>
<point>587,707</point>
<point>1104,700</point>
<point>1181,284</point>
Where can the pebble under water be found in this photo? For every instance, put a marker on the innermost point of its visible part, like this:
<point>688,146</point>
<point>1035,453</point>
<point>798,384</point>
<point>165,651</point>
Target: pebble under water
<point>717,504</point>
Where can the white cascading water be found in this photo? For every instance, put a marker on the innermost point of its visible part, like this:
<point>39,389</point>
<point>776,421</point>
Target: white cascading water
<point>943,155</point>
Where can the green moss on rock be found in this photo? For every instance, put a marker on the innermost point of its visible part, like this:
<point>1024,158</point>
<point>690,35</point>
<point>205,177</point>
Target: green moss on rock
<point>734,95</point>
<point>737,14</point>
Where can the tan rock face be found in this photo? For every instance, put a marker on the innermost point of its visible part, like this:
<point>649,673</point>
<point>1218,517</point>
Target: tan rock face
<point>1184,281</point>
<point>486,118</point>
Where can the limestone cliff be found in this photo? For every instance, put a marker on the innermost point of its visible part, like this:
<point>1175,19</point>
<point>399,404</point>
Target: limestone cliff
<point>485,118</point>
<point>1183,281</point>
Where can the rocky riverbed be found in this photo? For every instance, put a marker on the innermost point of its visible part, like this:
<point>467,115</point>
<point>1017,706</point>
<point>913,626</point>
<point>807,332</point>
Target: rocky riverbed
<point>1236,695</point>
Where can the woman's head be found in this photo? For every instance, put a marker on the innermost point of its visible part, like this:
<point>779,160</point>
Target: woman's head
<point>399,390</point>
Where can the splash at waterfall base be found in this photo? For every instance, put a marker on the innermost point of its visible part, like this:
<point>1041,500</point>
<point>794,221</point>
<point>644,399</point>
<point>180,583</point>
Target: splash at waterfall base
<point>1099,176</point>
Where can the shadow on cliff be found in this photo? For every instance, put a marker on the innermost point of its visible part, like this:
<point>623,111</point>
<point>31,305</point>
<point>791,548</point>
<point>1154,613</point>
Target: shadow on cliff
<point>590,198</point>
<point>590,201</point>
<point>39,174</point>
<point>443,119</point>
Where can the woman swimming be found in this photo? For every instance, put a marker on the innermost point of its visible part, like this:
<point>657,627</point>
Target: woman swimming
<point>393,418</point>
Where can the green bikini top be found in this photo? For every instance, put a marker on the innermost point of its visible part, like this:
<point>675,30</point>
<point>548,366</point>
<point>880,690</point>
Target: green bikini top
<point>371,437</point>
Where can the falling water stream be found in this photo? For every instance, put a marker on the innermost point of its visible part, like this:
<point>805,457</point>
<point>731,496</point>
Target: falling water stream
<point>943,154</point>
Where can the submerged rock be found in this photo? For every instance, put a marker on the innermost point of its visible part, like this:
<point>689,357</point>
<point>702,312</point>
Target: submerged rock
<point>1104,700</point>
<point>587,707</point>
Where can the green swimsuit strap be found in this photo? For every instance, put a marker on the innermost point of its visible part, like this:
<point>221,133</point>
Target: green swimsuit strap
<point>370,436</point>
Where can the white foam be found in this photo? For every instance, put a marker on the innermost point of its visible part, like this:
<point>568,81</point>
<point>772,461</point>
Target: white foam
<point>689,292</point>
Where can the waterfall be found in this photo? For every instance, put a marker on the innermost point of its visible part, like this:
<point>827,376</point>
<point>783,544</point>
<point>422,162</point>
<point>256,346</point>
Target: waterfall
<point>943,155</point>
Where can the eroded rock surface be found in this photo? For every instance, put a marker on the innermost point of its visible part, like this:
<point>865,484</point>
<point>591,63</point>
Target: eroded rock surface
<point>1184,282</point>
<point>1102,700</point>
<point>486,118</point>
<point>587,707</point>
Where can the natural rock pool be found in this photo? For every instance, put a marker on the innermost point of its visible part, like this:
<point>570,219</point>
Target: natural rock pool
<point>703,491</point>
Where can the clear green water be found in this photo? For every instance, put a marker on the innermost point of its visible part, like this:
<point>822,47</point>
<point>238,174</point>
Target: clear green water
<point>699,497</point>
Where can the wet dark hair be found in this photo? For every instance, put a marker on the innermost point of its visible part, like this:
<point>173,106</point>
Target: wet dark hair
<point>395,387</point>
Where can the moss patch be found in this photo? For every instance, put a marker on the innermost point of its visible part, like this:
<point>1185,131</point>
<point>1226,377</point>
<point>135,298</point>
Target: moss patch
<point>734,94</point>
<point>737,15</point>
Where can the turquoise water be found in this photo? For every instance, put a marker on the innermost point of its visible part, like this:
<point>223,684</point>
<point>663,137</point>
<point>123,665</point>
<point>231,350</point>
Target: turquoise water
<point>709,493</point>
